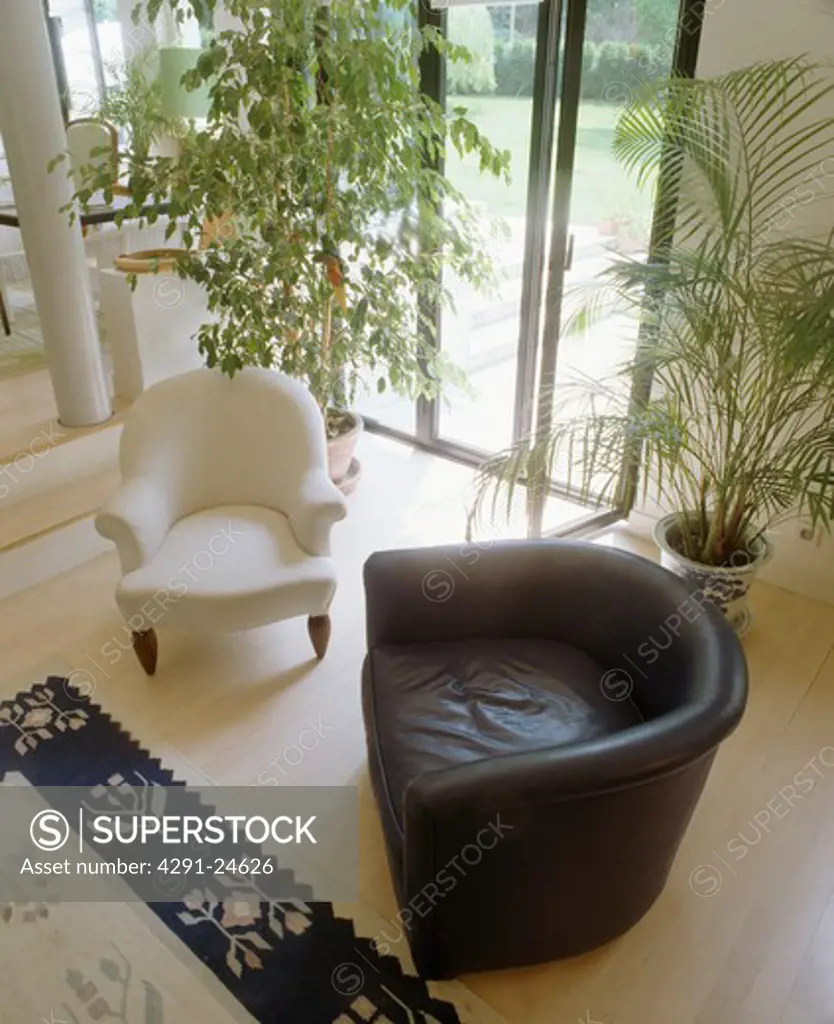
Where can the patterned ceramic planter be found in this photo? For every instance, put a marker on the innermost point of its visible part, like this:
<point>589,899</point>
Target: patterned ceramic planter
<point>728,587</point>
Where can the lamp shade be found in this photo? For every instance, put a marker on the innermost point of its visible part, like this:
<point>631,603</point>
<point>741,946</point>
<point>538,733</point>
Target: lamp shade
<point>177,101</point>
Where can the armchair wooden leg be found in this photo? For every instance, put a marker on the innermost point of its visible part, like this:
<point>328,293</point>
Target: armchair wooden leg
<point>146,646</point>
<point>318,626</point>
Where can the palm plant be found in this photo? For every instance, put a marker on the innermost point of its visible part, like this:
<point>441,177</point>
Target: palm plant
<point>135,105</point>
<point>727,402</point>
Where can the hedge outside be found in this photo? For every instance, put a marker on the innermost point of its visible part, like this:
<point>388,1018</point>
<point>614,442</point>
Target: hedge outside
<point>472,27</point>
<point>611,71</point>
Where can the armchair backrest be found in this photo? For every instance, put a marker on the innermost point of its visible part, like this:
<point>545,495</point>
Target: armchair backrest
<point>209,440</point>
<point>92,143</point>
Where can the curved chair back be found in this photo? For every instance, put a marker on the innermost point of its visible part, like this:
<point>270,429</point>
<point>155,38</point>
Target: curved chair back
<point>210,440</point>
<point>92,143</point>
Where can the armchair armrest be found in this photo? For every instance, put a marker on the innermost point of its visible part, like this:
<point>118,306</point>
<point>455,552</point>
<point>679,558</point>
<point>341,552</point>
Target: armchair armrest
<point>629,758</point>
<point>137,519</point>
<point>637,788</point>
<point>317,506</point>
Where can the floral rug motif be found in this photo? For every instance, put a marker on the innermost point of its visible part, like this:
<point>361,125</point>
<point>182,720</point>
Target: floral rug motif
<point>287,960</point>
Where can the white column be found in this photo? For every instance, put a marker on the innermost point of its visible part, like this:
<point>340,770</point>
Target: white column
<point>33,133</point>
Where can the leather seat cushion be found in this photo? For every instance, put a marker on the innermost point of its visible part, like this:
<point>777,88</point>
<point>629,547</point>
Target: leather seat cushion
<point>443,704</point>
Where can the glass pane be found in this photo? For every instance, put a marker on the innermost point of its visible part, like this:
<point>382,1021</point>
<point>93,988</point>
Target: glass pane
<point>628,42</point>
<point>110,41</point>
<point>481,335</point>
<point>79,57</point>
<point>388,407</point>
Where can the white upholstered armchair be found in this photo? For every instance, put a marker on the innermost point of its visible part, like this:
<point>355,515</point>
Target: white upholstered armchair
<point>223,517</point>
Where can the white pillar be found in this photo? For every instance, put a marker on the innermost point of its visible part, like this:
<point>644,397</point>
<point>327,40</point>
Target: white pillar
<point>33,133</point>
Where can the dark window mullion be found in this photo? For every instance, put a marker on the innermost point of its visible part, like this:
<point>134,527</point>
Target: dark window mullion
<point>542,130</point>
<point>565,163</point>
<point>685,61</point>
<point>53,27</point>
<point>433,85</point>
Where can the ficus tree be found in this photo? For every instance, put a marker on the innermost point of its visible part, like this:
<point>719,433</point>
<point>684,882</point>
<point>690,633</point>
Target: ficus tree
<point>315,207</point>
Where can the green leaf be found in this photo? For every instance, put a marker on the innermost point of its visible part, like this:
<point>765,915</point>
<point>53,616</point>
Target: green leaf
<point>154,1006</point>
<point>110,969</point>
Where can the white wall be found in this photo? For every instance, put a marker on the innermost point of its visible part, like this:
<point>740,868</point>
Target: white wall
<point>737,33</point>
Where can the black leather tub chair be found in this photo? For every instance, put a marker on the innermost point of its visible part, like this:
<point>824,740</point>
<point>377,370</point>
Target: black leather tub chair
<point>541,719</point>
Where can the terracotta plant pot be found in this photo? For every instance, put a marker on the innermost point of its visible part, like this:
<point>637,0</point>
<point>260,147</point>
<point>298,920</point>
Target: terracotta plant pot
<point>726,587</point>
<point>345,470</point>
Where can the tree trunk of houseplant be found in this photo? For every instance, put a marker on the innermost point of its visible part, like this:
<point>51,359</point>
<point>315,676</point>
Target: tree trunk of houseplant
<point>726,587</point>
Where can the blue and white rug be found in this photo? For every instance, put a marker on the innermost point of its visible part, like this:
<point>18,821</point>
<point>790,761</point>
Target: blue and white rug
<point>234,959</point>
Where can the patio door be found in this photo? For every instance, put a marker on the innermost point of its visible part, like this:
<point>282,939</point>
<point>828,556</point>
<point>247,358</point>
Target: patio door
<point>510,92</point>
<point>598,212</point>
<point>547,82</point>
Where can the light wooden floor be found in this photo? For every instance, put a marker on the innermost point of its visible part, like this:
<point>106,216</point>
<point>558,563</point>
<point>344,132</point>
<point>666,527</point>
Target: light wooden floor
<point>758,951</point>
<point>45,478</point>
<point>29,418</point>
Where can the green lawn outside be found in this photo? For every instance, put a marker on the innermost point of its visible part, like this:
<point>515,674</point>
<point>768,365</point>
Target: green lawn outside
<point>601,189</point>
